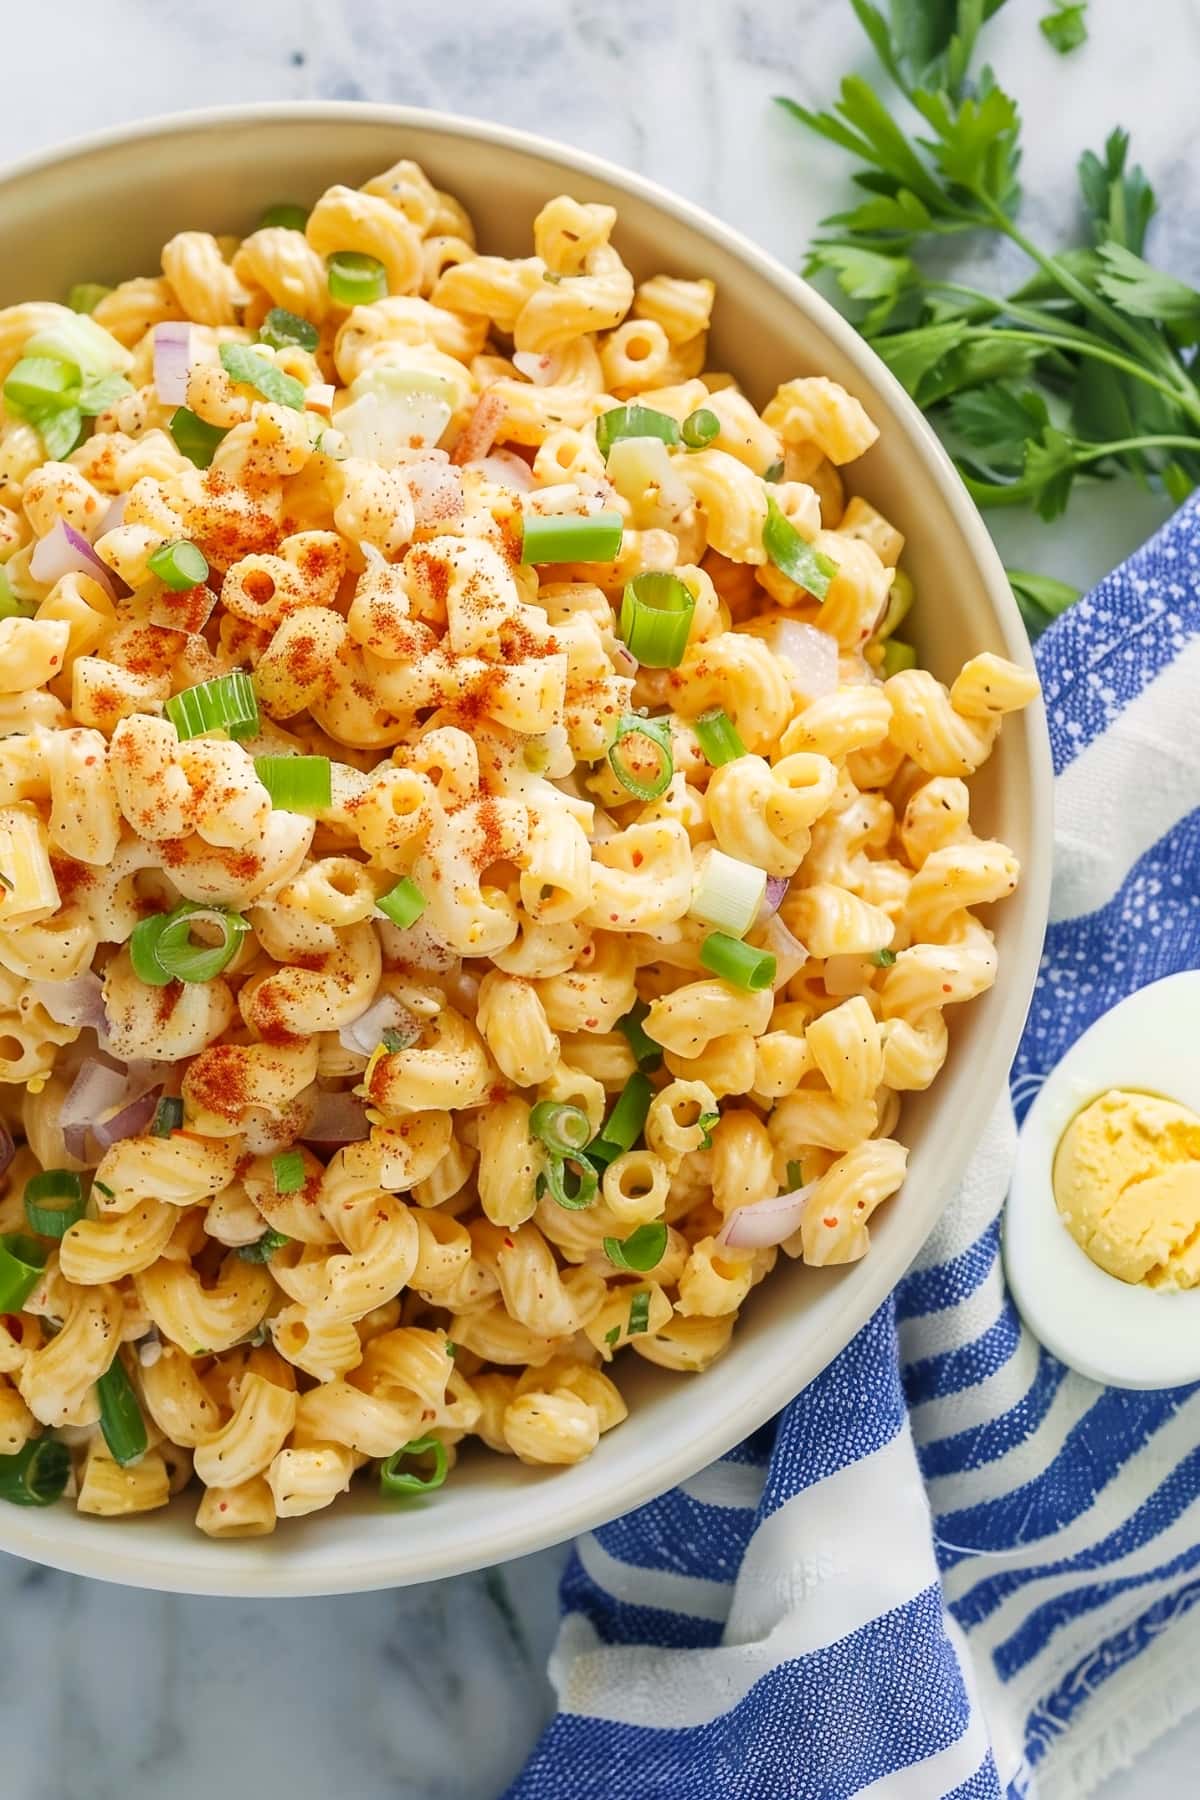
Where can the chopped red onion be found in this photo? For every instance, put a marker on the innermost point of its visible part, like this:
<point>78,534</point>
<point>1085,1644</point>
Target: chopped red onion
<point>481,429</point>
<point>65,551</point>
<point>96,1089</point>
<point>132,1119</point>
<point>337,1119</point>
<point>363,1035</point>
<point>505,468</point>
<point>172,361</point>
<point>7,1148</point>
<point>789,953</point>
<point>772,900</point>
<point>436,487</point>
<point>79,1001</point>
<point>541,370</point>
<point>813,654</point>
<point>764,1223</point>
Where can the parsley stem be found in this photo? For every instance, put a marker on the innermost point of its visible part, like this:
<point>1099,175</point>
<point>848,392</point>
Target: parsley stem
<point>1141,342</point>
<point>1080,343</point>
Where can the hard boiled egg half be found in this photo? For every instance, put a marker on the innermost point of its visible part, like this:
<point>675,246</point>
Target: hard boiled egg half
<point>1102,1226</point>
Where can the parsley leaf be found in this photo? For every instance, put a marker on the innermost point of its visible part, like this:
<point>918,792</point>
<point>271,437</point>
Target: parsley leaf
<point>1066,27</point>
<point>1144,291</point>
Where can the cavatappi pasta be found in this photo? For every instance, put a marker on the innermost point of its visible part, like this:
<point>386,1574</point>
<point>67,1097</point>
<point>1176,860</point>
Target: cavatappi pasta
<point>478,870</point>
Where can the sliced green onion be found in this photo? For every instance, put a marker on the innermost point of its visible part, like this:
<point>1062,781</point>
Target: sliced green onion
<point>283,330</point>
<point>86,296</point>
<point>634,421</point>
<point>706,1122</point>
<point>898,655</point>
<point>624,758</point>
<point>10,606</point>
<point>356,279</point>
<point>60,431</point>
<point>243,364</point>
<point>263,1248</point>
<point>610,1337</point>
<point>180,565</point>
<point>288,1170</point>
<point>700,428</point>
<point>639,1313</point>
<point>102,1188</point>
<point>728,893</point>
<point>624,1124</point>
<point>403,904</point>
<point>54,1201</point>
<point>285,214</point>
<point>393,1040</point>
<point>563,1129</point>
<point>451,1349</point>
<point>901,595</point>
<point>37,1475</point>
<point>121,1418</point>
<point>568,537</point>
<point>168,1116</point>
<point>296,783</point>
<point>717,736</point>
<point>22,1260</point>
<point>775,471</point>
<point>739,964</point>
<point>570,1181</point>
<point>194,436</point>
<point>226,703</point>
<point>647,1054</point>
<point>395,1482</point>
<point>883,959</point>
<point>807,567</point>
<point>161,950</point>
<point>41,384</point>
<point>97,396</point>
<point>795,1176</point>
<point>656,618</point>
<point>641,1250</point>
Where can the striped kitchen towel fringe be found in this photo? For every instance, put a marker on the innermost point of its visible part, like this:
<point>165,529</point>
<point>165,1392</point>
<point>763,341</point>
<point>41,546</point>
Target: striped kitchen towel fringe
<point>951,1569</point>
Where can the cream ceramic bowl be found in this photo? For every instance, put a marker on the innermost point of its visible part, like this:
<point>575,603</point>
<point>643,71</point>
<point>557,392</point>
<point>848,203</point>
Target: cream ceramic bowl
<point>99,210</point>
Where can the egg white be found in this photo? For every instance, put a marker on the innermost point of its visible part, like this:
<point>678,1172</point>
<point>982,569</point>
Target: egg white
<point>1121,1334</point>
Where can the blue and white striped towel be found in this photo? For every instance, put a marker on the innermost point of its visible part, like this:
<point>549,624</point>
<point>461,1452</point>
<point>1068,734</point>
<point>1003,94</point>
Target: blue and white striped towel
<point>950,1570</point>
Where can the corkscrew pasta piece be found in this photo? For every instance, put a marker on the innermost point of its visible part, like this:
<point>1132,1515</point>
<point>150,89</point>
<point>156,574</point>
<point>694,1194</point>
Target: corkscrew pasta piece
<point>452,866</point>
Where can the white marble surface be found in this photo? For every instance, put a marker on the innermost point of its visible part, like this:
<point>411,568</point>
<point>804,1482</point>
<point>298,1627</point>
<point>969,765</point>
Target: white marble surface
<point>436,1693</point>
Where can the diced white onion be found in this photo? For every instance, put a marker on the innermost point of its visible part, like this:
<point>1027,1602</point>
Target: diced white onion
<point>541,370</point>
<point>789,953</point>
<point>364,1035</point>
<point>504,468</point>
<point>813,655</point>
<point>641,471</point>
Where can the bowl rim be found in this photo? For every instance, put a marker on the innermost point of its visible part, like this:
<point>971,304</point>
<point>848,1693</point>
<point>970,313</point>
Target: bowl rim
<point>174,1568</point>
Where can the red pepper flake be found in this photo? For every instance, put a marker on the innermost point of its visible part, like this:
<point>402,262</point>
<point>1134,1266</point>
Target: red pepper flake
<point>946,988</point>
<point>831,1223</point>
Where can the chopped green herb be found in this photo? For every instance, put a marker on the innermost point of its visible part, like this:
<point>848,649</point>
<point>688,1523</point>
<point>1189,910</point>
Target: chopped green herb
<point>706,1121</point>
<point>1065,28</point>
<point>883,959</point>
<point>102,1189</point>
<point>261,1251</point>
<point>610,1337</point>
<point>647,1053</point>
<point>244,365</point>
<point>451,1348</point>
<point>640,1251</point>
<point>168,1116</point>
<point>289,1172</point>
<point>639,1313</point>
<point>795,1176</point>
<point>282,330</point>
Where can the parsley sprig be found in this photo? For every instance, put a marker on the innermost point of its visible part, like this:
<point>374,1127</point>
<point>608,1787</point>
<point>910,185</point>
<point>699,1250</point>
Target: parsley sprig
<point>1089,367</point>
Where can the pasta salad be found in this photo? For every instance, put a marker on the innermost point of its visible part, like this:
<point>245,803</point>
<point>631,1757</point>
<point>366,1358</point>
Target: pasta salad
<point>479,869</point>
